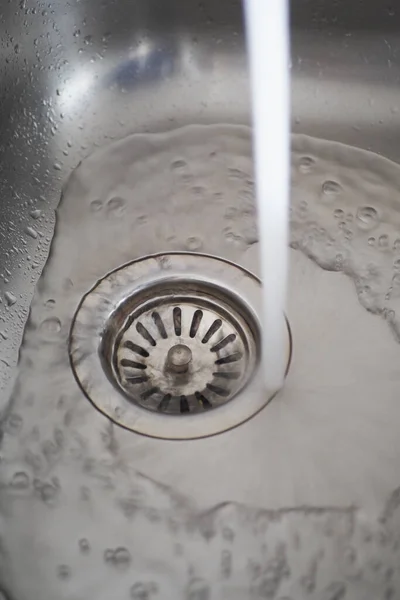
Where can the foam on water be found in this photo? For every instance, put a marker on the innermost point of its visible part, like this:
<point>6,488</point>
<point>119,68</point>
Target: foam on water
<point>78,520</point>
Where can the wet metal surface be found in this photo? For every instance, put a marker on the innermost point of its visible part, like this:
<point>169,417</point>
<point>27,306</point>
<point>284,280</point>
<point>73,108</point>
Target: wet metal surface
<point>303,500</point>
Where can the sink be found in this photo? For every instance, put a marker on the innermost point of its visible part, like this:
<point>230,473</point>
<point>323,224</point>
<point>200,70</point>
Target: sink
<point>106,106</point>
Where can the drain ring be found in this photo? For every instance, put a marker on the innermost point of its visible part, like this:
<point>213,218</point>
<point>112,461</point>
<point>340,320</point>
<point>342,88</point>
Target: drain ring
<point>169,345</point>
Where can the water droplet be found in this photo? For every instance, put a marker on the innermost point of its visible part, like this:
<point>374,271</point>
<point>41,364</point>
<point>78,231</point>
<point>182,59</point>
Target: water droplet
<point>116,205</point>
<point>36,214</point>
<point>122,558</point>
<point>371,241</point>
<point>96,205</point>
<point>367,218</point>
<point>63,572</point>
<point>84,546</point>
<point>383,241</point>
<point>20,481</point>
<point>10,298</point>
<point>31,232</point>
<point>50,303</point>
<point>194,244</point>
<point>331,188</point>
<point>306,164</point>
<point>338,213</point>
<point>51,326</point>
<point>57,166</point>
<point>396,264</point>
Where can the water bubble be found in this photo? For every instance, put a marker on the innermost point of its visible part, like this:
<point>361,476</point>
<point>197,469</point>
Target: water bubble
<point>50,303</point>
<point>178,165</point>
<point>396,245</point>
<point>108,555</point>
<point>331,188</point>
<point>390,316</point>
<point>10,298</point>
<point>303,205</point>
<point>84,546</point>
<point>14,424</point>
<point>48,493</point>
<point>142,219</point>
<point>122,558</point>
<point>31,232</point>
<point>96,205</point>
<point>383,241</point>
<point>63,572</point>
<point>396,264</point>
<point>367,218</point>
<point>338,213</point>
<point>338,262</point>
<point>20,480</point>
<point>116,205</point>
<point>371,241</point>
<point>306,164</point>
<point>139,591</point>
<point>194,244</point>
<point>51,326</point>
<point>250,232</point>
<point>231,237</point>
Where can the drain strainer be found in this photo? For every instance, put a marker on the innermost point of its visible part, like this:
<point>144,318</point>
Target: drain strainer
<point>169,345</point>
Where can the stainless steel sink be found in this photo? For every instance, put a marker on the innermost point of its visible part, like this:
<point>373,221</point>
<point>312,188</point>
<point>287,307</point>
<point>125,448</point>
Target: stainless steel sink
<point>224,516</point>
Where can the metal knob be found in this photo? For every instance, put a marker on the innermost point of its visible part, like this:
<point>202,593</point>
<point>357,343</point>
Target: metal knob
<point>178,359</point>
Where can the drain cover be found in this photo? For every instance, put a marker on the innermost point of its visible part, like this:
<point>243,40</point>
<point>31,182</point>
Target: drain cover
<point>169,345</point>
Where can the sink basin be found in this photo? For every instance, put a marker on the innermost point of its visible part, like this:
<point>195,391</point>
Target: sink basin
<point>297,500</point>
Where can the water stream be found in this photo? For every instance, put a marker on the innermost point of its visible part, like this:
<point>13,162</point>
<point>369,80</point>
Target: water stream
<point>267,26</point>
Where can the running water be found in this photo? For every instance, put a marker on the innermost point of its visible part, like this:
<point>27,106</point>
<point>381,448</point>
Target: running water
<point>268,44</point>
<point>90,510</point>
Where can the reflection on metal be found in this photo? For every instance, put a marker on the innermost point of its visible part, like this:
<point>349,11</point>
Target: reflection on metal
<point>183,340</point>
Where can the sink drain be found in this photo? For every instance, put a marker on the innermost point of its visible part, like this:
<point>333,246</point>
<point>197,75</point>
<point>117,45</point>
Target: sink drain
<point>169,345</point>
<point>185,351</point>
